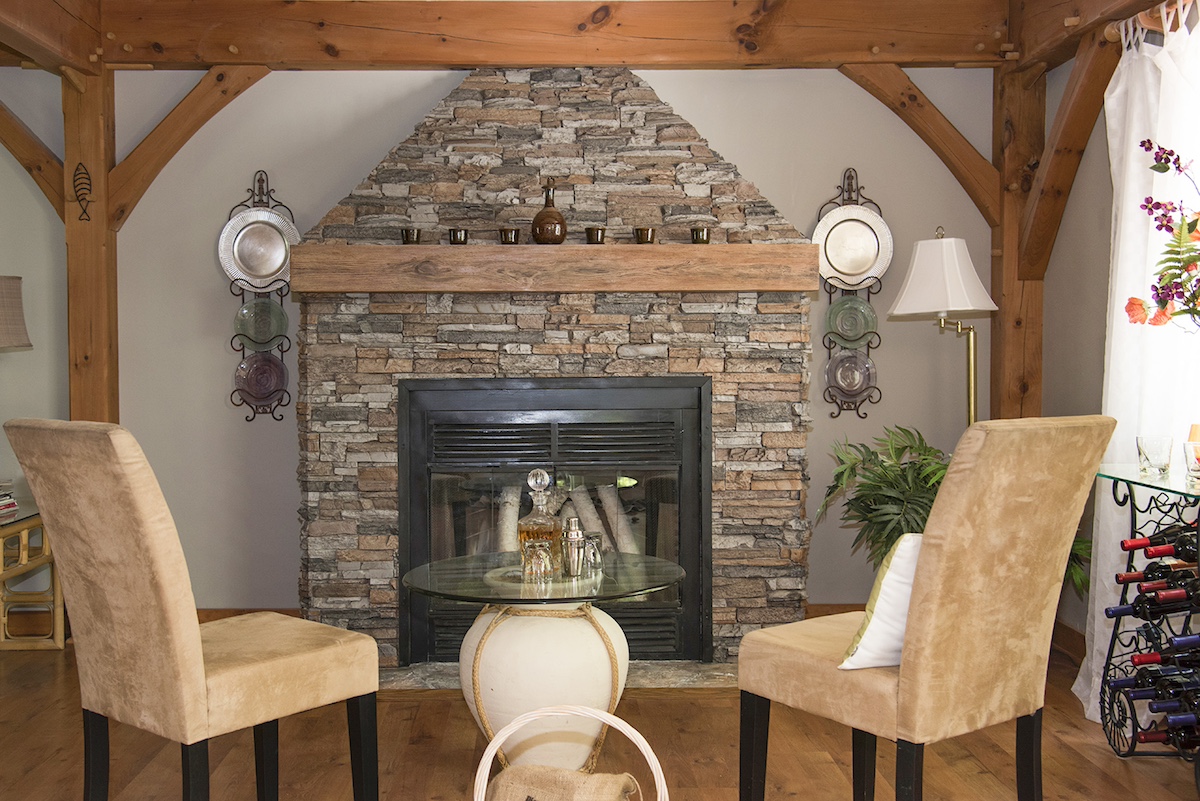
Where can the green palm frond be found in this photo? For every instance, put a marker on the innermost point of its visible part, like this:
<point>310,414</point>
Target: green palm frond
<point>889,487</point>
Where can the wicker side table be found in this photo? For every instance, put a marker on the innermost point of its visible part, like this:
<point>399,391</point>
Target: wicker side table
<point>26,548</point>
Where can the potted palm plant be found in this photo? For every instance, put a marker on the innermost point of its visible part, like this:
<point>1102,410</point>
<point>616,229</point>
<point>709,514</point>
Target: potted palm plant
<point>889,487</point>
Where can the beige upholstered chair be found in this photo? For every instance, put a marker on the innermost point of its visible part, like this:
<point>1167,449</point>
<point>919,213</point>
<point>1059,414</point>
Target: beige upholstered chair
<point>978,634</point>
<point>143,658</point>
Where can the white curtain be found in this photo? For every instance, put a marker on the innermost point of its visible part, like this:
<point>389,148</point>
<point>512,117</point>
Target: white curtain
<point>1151,378</point>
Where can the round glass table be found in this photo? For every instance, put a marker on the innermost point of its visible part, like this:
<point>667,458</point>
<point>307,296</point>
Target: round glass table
<point>540,644</point>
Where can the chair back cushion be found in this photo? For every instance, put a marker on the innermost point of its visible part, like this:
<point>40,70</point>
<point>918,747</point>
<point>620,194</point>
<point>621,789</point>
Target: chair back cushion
<point>990,572</point>
<point>126,585</point>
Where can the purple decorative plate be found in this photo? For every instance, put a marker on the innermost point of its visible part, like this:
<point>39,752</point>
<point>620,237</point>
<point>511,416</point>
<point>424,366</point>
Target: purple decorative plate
<point>261,378</point>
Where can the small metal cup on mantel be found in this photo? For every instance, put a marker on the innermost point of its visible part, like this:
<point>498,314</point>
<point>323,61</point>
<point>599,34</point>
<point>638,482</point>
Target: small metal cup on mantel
<point>643,236</point>
<point>410,236</point>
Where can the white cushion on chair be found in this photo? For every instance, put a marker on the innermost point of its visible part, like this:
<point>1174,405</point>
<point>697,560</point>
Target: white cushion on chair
<point>880,638</point>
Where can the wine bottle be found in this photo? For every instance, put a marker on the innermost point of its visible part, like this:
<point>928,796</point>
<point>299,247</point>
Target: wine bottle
<point>1187,592</point>
<point>1183,548</point>
<point>1178,578</point>
<point>1144,607</point>
<point>1181,657</point>
<point>1186,701</point>
<point>1181,641</point>
<point>1170,687</point>
<point>1154,571</point>
<point>1181,720</point>
<point>1147,677</point>
<point>1164,536</point>
<point>1186,737</point>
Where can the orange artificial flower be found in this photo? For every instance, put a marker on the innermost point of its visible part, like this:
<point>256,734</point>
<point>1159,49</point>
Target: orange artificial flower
<point>1162,316</point>
<point>1136,309</point>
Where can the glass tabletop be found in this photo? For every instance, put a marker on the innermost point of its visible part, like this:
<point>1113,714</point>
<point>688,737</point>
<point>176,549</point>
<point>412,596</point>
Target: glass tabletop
<point>1175,481</point>
<point>496,578</point>
<point>24,510</point>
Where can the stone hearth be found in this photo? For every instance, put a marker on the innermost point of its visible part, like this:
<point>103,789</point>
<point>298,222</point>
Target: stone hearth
<point>621,158</point>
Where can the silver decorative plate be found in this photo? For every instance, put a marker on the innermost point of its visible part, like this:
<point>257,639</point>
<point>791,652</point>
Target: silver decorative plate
<point>855,246</point>
<point>255,247</point>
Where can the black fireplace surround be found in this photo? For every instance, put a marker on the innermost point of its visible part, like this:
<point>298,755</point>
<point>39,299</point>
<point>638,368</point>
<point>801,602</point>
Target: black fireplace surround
<point>466,445</point>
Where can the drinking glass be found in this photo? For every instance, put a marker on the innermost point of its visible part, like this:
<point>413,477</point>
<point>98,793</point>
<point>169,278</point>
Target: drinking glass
<point>1191,458</point>
<point>1154,455</point>
<point>537,564</point>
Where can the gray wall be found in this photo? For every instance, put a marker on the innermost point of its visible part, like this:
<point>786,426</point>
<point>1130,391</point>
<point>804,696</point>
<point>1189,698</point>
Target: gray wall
<point>231,484</point>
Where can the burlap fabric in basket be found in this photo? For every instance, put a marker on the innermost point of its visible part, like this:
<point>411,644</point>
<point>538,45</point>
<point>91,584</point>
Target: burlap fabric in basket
<point>542,783</point>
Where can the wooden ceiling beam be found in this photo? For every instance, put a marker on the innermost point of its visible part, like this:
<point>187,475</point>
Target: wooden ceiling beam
<point>890,85</point>
<point>1051,30</point>
<point>1076,117</point>
<point>53,33</point>
<point>39,161</point>
<point>130,179</point>
<point>426,34</point>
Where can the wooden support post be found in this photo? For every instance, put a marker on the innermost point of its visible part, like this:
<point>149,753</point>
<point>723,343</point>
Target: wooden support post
<point>91,248</point>
<point>1018,137</point>
<point>1082,102</point>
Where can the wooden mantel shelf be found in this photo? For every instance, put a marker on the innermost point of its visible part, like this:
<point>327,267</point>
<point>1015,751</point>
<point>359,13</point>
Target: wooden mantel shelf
<point>621,267</point>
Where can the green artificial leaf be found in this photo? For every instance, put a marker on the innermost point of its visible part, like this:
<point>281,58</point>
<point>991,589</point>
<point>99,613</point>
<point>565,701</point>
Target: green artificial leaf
<point>1159,167</point>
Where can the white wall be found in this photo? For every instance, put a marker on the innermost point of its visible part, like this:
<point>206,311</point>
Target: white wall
<point>231,484</point>
<point>33,383</point>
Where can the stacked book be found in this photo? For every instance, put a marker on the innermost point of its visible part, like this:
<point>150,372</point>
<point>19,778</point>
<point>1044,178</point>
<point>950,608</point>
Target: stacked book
<point>8,502</point>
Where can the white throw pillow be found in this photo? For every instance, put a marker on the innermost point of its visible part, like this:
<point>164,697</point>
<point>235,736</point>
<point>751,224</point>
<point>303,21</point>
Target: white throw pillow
<point>880,638</point>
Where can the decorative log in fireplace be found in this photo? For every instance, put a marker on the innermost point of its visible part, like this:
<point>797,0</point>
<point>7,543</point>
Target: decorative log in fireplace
<point>630,456</point>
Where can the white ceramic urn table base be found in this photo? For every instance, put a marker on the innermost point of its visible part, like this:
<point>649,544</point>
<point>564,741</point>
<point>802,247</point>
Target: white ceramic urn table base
<point>542,645</point>
<point>546,655</point>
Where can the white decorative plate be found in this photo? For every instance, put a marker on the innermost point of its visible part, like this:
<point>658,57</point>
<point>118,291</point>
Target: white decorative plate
<point>256,246</point>
<point>855,246</point>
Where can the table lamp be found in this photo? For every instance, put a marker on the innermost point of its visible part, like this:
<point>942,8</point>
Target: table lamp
<point>13,335</point>
<point>941,281</point>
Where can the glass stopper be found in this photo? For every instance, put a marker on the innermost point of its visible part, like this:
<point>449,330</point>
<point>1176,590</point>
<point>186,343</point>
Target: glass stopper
<point>539,479</point>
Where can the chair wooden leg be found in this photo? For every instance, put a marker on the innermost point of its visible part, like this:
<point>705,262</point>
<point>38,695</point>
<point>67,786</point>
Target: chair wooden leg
<point>195,771</point>
<point>910,766</point>
<point>1029,757</point>
<point>266,760</point>
<point>755,726</point>
<point>95,757</point>
<point>364,747</point>
<point>863,755</point>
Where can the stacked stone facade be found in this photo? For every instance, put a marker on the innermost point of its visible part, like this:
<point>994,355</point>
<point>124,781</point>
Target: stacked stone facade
<point>622,158</point>
<point>619,156</point>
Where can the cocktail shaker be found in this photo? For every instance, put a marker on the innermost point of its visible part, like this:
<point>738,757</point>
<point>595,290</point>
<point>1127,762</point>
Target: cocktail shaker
<point>574,547</point>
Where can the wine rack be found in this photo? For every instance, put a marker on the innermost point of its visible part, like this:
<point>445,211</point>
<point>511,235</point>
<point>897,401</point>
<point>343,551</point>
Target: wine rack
<point>1152,507</point>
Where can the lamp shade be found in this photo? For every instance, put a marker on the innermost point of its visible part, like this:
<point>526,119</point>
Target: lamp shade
<point>13,335</point>
<point>941,280</point>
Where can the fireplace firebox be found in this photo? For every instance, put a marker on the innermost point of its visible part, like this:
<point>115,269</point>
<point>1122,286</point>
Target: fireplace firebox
<point>629,456</point>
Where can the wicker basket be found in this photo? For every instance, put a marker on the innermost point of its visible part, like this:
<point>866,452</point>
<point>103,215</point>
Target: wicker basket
<point>485,764</point>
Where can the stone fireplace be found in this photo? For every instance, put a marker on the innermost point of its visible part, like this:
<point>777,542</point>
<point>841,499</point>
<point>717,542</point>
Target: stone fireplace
<point>621,158</point>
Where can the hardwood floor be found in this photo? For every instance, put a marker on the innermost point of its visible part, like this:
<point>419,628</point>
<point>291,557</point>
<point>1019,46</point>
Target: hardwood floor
<point>429,748</point>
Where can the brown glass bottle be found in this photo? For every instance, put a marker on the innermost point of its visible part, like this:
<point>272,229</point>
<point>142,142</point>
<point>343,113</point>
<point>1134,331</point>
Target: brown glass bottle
<point>549,227</point>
